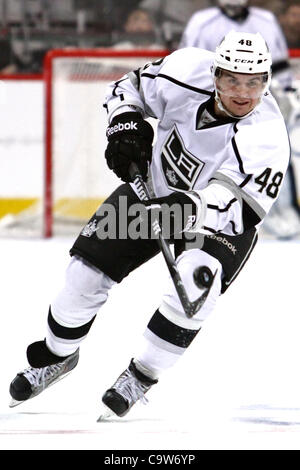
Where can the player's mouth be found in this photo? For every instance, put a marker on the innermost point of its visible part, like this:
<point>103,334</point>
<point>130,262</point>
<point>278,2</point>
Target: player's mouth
<point>241,102</point>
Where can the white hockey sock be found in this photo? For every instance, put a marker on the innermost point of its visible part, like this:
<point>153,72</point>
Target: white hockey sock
<point>75,307</point>
<point>170,332</point>
<point>153,360</point>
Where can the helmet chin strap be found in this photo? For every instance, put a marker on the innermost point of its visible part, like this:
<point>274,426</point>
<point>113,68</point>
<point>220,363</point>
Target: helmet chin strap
<point>224,110</point>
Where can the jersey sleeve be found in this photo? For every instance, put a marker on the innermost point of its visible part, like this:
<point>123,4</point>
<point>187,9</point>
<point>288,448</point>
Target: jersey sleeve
<point>248,181</point>
<point>138,89</point>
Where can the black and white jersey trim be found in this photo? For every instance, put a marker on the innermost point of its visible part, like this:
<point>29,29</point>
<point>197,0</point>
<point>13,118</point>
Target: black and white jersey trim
<point>114,92</point>
<point>238,157</point>
<point>254,240</point>
<point>222,209</point>
<point>246,180</point>
<point>250,217</point>
<point>243,197</point>
<point>218,120</point>
<point>178,83</point>
<point>233,228</point>
<point>212,230</point>
<point>209,229</point>
<point>138,79</point>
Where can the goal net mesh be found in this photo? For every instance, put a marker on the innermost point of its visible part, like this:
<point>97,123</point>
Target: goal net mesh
<point>77,178</point>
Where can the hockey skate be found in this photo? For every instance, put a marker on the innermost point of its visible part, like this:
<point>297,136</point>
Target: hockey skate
<point>130,387</point>
<point>45,369</point>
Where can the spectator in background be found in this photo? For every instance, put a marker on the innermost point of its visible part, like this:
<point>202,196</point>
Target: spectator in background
<point>7,58</point>
<point>290,22</point>
<point>138,21</point>
<point>171,16</point>
<point>117,11</point>
<point>283,220</point>
<point>138,31</point>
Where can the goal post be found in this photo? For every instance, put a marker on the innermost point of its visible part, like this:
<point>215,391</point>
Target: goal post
<point>76,177</point>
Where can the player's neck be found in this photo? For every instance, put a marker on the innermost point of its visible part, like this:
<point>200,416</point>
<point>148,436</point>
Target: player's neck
<point>218,112</point>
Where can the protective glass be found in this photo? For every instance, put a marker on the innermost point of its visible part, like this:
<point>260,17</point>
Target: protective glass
<point>248,86</point>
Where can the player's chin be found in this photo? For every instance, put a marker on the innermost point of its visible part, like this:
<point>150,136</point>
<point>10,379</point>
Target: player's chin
<point>241,109</point>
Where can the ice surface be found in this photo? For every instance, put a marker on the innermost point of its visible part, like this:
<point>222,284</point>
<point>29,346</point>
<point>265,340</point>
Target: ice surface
<point>237,386</point>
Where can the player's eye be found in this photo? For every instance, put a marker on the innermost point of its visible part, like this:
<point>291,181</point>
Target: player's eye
<point>231,80</point>
<point>254,83</point>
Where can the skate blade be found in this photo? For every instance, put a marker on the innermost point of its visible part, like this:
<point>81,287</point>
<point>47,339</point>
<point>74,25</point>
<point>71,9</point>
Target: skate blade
<point>14,403</point>
<point>106,414</point>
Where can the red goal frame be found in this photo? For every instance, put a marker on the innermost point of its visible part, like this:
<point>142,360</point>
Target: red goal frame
<point>48,80</point>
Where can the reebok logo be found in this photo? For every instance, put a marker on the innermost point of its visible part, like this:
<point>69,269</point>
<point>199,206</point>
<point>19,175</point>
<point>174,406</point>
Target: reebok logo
<point>126,126</point>
<point>225,242</point>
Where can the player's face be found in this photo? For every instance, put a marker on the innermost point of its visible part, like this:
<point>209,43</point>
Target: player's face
<point>239,92</point>
<point>233,8</point>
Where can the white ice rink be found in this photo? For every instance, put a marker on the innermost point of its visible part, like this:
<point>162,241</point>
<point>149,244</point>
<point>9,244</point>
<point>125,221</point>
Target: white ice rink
<point>237,387</point>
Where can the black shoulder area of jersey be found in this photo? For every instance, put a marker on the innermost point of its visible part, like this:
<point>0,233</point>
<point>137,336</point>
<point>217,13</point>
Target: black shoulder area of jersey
<point>219,120</point>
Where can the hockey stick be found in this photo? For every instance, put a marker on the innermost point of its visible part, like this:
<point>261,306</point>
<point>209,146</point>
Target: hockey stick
<point>202,276</point>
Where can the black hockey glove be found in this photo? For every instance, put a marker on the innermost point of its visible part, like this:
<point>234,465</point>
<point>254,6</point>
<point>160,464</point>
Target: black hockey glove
<point>175,213</point>
<point>129,140</point>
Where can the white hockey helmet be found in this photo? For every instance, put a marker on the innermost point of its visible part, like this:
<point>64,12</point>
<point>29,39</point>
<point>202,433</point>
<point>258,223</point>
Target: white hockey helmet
<point>243,53</point>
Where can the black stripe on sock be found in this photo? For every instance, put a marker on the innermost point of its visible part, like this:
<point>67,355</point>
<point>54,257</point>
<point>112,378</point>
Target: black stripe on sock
<point>168,331</point>
<point>68,333</point>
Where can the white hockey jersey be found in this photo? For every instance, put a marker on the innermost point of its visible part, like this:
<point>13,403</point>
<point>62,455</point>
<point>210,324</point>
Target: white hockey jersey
<point>207,28</point>
<point>232,168</point>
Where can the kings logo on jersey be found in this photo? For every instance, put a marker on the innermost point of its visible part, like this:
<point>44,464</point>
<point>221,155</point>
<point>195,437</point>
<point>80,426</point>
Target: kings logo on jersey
<point>89,229</point>
<point>181,169</point>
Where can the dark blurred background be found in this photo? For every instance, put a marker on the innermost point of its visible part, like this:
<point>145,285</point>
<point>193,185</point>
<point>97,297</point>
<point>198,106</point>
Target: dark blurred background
<point>29,28</point>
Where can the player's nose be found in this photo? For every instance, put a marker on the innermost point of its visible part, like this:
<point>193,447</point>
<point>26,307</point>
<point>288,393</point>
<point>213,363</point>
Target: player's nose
<point>242,90</point>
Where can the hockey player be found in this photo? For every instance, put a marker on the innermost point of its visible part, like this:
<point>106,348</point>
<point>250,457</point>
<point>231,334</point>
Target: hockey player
<point>205,29</point>
<point>221,153</point>
<point>208,26</point>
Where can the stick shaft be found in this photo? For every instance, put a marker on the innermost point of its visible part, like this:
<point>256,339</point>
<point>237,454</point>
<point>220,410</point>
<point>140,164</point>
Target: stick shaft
<point>163,245</point>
